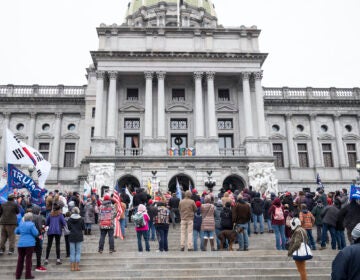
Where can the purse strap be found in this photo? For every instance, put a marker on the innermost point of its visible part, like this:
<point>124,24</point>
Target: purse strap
<point>306,249</point>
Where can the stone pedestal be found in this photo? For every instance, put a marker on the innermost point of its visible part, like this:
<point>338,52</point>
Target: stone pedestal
<point>154,147</point>
<point>257,147</point>
<point>103,147</point>
<point>101,174</point>
<point>207,147</point>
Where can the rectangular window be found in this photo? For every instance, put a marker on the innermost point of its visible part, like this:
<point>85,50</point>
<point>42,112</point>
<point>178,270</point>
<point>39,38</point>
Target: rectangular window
<point>132,123</point>
<point>224,95</point>
<point>327,155</point>
<point>303,155</point>
<point>92,133</point>
<point>132,94</point>
<point>178,94</point>
<point>179,141</point>
<point>44,150</point>
<point>224,124</point>
<point>178,124</point>
<point>278,154</point>
<point>69,158</point>
<point>351,151</point>
<point>93,111</point>
<point>226,141</point>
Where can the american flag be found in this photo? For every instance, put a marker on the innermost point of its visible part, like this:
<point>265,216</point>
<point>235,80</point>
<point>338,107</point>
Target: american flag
<point>119,212</point>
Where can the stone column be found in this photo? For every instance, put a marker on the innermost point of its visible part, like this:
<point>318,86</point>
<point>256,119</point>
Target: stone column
<point>339,141</point>
<point>199,113</point>
<point>148,105</point>
<point>32,130</point>
<point>99,104</point>
<point>112,106</point>
<point>290,142</point>
<point>211,105</point>
<point>314,141</point>
<point>259,96</point>
<point>57,139</point>
<point>161,104</point>
<point>3,139</point>
<point>247,105</point>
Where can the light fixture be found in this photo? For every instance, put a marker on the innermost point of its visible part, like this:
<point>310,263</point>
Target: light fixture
<point>210,183</point>
<point>358,166</point>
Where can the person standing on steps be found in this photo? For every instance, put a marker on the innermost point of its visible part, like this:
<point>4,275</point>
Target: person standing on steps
<point>187,210</point>
<point>174,208</point>
<point>208,223</point>
<point>161,222</point>
<point>142,229</point>
<point>241,215</point>
<point>76,227</point>
<point>89,217</point>
<point>277,215</point>
<point>8,221</point>
<point>107,214</point>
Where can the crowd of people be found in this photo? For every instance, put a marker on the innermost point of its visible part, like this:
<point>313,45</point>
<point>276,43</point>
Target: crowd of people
<point>207,222</point>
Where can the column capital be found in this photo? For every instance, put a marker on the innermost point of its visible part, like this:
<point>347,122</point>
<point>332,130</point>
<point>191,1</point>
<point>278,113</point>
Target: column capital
<point>337,116</point>
<point>100,75</point>
<point>112,75</point>
<point>210,75</point>
<point>149,75</point>
<point>313,116</point>
<point>6,115</point>
<point>288,116</point>
<point>245,75</point>
<point>160,75</point>
<point>198,75</point>
<point>32,115</point>
<point>58,115</point>
<point>258,75</point>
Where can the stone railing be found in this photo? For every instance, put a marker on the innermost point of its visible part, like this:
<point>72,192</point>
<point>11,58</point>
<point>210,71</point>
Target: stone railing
<point>232,152</point>
<point>41,91</point>
<point>129,152</point>
<point>311,93</point>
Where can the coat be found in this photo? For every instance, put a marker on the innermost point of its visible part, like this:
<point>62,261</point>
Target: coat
<point>76,227</point>
<point>8,212</point>
<point>55,224</point>
<point>299,235</point>
<point>207,213</point>
<point>89,216</point>
<point>241,213</point>
<point>28,233</point>
<point>187,209</point>
<point>346,264</point>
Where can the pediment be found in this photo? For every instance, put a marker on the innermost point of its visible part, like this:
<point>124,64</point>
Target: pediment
<point>132,108</point>
<point>277,136</point>
<point>179,108</point>
<point>226,108</point>
<point>70,136</point>
<point>351,137</point>
<point>44,136</point>
<point>302,136</point>
<point>326,137</point>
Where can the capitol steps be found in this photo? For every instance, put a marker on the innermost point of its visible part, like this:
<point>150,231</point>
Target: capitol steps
<point>260,262</point>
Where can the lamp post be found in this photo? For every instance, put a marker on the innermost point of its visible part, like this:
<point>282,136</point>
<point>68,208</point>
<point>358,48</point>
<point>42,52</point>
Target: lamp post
<point>210,182</point>
<point>31,169</point>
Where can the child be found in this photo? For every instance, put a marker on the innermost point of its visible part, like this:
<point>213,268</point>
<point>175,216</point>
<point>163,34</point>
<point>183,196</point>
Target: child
<point>307,221</point>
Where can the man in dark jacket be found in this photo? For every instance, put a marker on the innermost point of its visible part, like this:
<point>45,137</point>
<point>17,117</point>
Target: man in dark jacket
<point>257,206</point>
<point>346,264</point>
<point>8,222</point>
<point>126,199</point>
<point>350,216</point>
<point>329,217</point>
<point>241,215</point>
<point>174,208</point>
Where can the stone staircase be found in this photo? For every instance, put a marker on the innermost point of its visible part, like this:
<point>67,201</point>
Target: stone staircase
<point>260,262</point>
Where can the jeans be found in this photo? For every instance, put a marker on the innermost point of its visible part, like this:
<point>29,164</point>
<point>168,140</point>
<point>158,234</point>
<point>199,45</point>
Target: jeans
<point>340,236</point>
<point>24,253</point>
<point>249,228</point>
<point>57,244</point>
<point>152,230</point>
<point>332,230</point>
<point>103,233</point>
<point>174,212</point>
<point>311,241</point>
<point>122,226</point>
<point>279,236</point>
<point>88,226</point>
<point>75,252</point>
<point>243,237</point>
<point>145,234</point>
<point>126,218</point>
<point>163,231</point>
<point>260,219</point>
<point>217,231</point>
<point>268,221</point>
<point>67,245</point>
<point>196,236</point>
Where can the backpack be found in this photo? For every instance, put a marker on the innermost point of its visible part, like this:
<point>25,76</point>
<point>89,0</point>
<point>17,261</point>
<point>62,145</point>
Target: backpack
<point>138,219</point>
<point>162,216</point>
<point>197,221</point>
<point>226,218</point>
<point>279,214</point>
<point>288,221</point>
<point>106,217</point>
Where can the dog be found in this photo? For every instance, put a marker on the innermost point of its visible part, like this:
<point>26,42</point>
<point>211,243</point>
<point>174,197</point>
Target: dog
<point>230,235</point>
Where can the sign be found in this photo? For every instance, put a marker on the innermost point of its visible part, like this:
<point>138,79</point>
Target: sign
<point>354,192</point>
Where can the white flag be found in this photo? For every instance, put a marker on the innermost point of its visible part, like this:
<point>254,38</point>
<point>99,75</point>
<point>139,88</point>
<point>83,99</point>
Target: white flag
<point>17,152</point>
<point>87,189</point>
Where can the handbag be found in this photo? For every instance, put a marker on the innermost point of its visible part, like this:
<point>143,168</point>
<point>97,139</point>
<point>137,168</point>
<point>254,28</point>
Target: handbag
<point>303,253</point>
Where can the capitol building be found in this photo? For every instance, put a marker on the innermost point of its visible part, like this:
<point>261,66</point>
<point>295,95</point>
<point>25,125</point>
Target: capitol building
<point>171,95</point>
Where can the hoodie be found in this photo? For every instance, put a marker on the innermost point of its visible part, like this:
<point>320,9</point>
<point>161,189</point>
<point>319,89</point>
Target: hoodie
<point>76,227</point>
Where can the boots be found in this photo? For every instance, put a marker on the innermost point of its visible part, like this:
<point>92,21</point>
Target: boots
<point>77,266</point>
<point>212,245</point>
<point>89,231</point>
<point>205,244</point>
<point>72,265</point>
<point>85,231</point>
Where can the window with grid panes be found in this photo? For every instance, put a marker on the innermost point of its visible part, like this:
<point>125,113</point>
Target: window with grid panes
<point>327,155</point>
<point>351,151</point>
<point>303,155</point>
<point>178,124</point>
<point>224,124</point>
<point>278,154</point>
<point>44,150</point>
<point>69,157</point>
<point>178,94</point>
<point>132,123</point>
<point>224,94</point>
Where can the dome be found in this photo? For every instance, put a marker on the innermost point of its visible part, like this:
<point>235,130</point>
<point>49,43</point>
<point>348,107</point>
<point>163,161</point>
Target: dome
<point>207,5</point>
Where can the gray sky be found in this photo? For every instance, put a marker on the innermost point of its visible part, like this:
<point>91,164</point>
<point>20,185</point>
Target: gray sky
<point>310,42</point>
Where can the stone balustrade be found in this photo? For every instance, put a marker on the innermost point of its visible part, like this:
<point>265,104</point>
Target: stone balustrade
<point>41,91</point>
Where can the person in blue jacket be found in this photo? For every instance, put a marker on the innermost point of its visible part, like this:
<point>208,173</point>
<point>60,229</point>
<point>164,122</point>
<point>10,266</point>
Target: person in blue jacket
<point>346,264</point>
<point>26,244</point>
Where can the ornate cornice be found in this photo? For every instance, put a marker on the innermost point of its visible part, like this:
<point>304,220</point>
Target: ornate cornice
<point>299,102</point>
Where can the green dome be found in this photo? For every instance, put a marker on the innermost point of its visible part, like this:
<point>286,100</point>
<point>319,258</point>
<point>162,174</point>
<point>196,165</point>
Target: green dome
<point>134,5</point>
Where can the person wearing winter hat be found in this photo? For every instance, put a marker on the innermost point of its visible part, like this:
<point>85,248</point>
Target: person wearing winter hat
<point>76,227</point>
<point>107,214</point>
<point>346,264</point>
<point>276,213</point>
<point>143,230</point>
<point>197,227</point>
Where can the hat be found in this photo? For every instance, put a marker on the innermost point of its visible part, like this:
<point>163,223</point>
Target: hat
<point>356,232</point>
<point>150,202</point>
<point>287,193</point>
<point>106,197</point>
<point>198,204</point>
<point>194,191</point>
<point>229,191</point>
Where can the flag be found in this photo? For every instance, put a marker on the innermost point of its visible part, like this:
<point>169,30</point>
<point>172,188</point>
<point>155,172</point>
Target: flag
<point>17,152</point>
<point>149,187</point>
<point>318,181</point>
<point>4,190</point>
<point>119,211</point>
<point>178,189</point>
<point>87,189</point>
<point>190,186</point>
<point>354,192</point>
<point>131,197</point>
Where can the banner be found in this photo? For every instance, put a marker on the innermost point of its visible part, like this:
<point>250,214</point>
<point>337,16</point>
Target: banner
<point>17,152</point>
<point>87,189</point>
<point>354,192</point>
<point>18,180</point>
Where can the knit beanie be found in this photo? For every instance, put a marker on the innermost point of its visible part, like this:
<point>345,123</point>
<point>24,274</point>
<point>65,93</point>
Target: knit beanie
<point>198,204</point>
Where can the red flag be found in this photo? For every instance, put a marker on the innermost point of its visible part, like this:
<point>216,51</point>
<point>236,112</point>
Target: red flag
<point>119,212</point>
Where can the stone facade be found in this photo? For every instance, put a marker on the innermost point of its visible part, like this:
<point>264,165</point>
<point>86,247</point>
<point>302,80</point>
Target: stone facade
<point>180,98</point>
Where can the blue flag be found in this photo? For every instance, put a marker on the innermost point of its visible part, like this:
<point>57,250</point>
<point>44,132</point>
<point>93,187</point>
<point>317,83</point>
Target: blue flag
<point>4,192</point>
<point>178,189</point>
<point>19,180</point>
<point>354,192</point>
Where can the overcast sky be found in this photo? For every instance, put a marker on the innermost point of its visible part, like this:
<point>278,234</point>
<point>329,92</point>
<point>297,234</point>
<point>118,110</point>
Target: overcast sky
<point>310,42</point>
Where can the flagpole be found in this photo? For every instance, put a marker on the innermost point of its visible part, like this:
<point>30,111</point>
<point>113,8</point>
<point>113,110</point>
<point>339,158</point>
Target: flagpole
<point>178,13</point>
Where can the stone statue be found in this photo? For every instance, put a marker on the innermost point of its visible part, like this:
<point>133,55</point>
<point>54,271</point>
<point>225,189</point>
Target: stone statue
<point>262,177</point>
<point>101,174</point>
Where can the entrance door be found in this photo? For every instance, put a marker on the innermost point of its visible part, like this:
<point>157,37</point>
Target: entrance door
<point>184,181</point>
